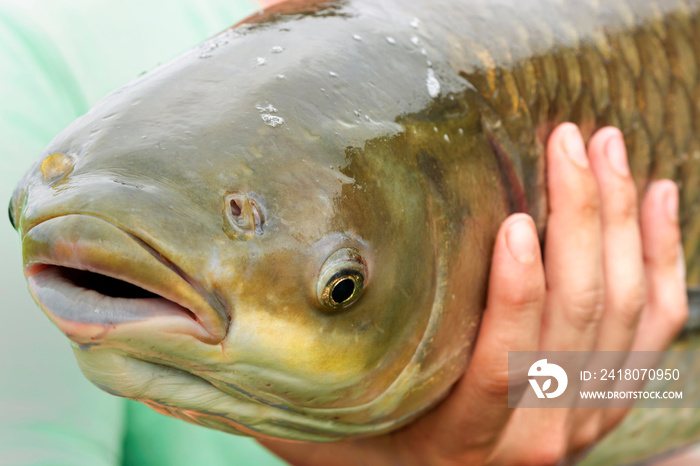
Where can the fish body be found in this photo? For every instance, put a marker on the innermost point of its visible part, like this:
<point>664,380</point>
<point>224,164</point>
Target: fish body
<point>287,231</point>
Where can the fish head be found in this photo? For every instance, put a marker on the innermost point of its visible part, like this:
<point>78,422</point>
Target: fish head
<point>235,256</point>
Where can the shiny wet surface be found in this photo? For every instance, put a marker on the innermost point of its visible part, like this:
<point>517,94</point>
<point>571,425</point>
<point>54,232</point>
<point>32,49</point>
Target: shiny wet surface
<point>63,417</point>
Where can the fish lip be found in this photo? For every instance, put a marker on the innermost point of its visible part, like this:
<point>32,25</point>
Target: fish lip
<point>75,241</point>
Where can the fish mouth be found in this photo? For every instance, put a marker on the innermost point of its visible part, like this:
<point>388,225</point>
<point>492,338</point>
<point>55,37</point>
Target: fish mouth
<point>90,275</point>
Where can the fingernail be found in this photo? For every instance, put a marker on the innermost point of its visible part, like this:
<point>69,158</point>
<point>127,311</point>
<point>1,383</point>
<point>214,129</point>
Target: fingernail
<point>522,242</point>
<point>572,145</point>
<point>671,202</point>
<point>617,154</point>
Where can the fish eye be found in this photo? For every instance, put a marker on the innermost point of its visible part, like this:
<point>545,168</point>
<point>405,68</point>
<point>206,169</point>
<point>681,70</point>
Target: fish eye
<point>341,279</point>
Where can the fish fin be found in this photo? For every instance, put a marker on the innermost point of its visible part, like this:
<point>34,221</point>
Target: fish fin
<point>511,171</point>
<point>508,158</point>
<point>521,164</point>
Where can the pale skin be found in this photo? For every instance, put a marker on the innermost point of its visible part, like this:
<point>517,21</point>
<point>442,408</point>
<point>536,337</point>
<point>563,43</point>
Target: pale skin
<point>611,280</point>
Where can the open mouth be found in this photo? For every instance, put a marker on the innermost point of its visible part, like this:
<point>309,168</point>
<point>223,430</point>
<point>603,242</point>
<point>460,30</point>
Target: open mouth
<point>89,297</point>
<point>103,284</point>
<point>86,270</point>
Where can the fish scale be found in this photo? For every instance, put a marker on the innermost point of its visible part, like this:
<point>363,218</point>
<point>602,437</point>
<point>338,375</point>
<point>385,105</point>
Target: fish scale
<point>642,80</point>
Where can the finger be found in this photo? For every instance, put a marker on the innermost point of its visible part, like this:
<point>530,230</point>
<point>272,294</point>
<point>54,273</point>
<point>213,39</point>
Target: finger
<point>623,266</point>
<point>667,309</point>
<point>573,255</point>
<point>574,271</point>
<point>667,305</point>
<point>511,322</point>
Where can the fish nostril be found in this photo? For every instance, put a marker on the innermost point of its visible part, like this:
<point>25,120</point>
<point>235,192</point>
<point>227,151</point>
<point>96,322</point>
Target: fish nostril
<point>235,208</point>
<point>244,215</point>
<point>56,166</point>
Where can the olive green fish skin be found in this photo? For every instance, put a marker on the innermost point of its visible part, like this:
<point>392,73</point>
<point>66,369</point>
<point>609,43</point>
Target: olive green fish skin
<point>406,131</point>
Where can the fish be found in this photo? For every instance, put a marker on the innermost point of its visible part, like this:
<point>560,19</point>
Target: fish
<point>286,231</point>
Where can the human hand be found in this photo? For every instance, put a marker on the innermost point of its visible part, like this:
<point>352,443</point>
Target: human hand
<point>608,282</point>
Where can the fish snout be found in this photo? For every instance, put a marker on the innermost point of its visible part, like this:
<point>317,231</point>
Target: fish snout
<point>48,172</point>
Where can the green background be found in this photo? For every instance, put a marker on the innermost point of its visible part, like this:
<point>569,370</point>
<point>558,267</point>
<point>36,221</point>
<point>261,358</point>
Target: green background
<point>57,58</point>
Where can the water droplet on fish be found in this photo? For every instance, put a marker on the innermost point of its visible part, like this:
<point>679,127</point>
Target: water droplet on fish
<point>424,52</point>
<point>276,49</point>
<point>433,84</point>
<point>415,40</point>
<point>429,63</point>
<point>367,117</point>
<point>391,40</point>
<point>435,128</point>
<point>267,109</point>
<point>460,131</point>
<point>272,120</point>
<point>211,45</point>
<point>281,76</point>
<point>143,137</point>
<point>356,112</point>
<point>414,23</point>
<point>446,137</point>
<point>332,74</point>
<point>357,37</point>
<point>260,61</point>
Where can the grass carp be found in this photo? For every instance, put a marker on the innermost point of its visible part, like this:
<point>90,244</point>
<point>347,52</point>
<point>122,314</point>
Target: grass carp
<point>287,230</point>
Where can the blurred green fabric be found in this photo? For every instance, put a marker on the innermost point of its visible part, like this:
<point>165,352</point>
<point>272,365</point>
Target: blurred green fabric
<point>57,58</point>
